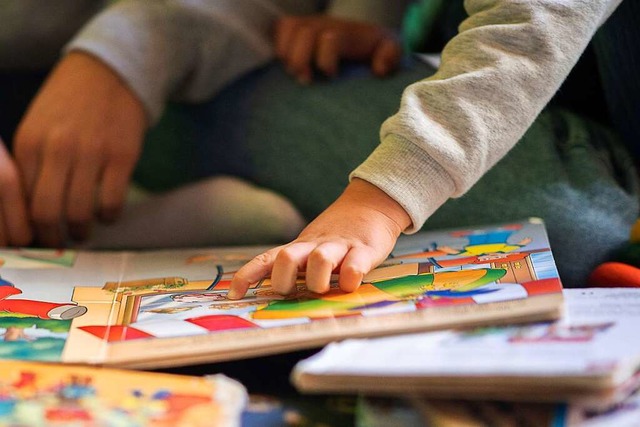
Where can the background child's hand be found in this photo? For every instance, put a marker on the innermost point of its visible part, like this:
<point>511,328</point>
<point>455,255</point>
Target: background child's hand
<point>320,42</point>
<point>355,234</point>
<point>77,146</point>
<point>14,222</point>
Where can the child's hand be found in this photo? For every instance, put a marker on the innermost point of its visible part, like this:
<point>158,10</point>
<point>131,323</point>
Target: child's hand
<point>354,235</point>
<point>76,147</point>
<point>320,42</point>
<point>14,222</point>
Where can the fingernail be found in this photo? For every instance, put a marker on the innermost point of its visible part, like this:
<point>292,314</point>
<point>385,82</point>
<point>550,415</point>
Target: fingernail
<point>79,231</point>
<point>49,238</point>
<point>109,215</point>
<point>233,294</point>
<point>304,79</point>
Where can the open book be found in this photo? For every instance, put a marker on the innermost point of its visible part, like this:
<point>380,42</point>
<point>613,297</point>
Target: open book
<point>169,307</point>
<point>39,394</point>
<point>589,357</point>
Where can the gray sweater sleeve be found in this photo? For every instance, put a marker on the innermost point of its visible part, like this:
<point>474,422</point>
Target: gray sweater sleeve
<point>180,49</point>
<point>496,75</point>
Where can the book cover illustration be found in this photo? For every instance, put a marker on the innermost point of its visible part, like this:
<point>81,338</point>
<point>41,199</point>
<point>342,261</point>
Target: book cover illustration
<point>164,308</point>
<point>39,394</point>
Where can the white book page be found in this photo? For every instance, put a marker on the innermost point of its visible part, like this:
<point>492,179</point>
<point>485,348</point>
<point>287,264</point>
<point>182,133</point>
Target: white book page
<point>597,336</point>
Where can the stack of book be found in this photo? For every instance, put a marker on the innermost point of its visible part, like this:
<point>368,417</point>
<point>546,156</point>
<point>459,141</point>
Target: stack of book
<point>587,361</point>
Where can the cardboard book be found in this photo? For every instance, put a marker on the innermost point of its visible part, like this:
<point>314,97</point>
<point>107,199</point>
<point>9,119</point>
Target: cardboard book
<point>45,394</point>
<point>162,308</point>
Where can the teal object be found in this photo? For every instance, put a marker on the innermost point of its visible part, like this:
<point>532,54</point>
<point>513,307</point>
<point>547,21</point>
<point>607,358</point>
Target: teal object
<point>418,23</point>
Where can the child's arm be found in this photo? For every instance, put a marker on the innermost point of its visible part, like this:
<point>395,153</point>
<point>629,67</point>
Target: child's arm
<point>496,75</point>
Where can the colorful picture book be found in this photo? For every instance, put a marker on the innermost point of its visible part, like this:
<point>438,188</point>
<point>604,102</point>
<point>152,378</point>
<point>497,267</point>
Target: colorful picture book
<point>40,394</point>
<point>590,357</point>
<point>164,308</point>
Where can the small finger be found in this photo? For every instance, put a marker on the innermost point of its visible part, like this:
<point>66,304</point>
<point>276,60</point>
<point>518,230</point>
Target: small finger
<point>113,191</point>
<point>289,261</point>
<point>28,158</point>
<point>252,272</point>
<point>386,57</point>
<point>285,29</point>
<point>321,263</point>
<point>81,194</point>
<point>356,263</point>
<point>15,218</point>
<point>299,61</point>
<point>49,192</point>
<point>328,52</point>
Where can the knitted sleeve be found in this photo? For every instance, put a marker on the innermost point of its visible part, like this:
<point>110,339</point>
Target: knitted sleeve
<point>496,75</point>
<point>180,49</point>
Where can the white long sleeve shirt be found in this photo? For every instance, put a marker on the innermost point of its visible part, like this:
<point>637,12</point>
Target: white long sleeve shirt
<point>184,50</point>
<point>496,75</point>
<point>187,50</point>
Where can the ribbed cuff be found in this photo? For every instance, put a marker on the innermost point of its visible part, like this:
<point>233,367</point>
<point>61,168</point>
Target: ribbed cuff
<point>413,179</point>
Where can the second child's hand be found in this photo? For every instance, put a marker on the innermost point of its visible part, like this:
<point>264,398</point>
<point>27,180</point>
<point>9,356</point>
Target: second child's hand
<point>77,146</point>
<point>320,42</point>
<point>353,236</point>
<point>15,229</point>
